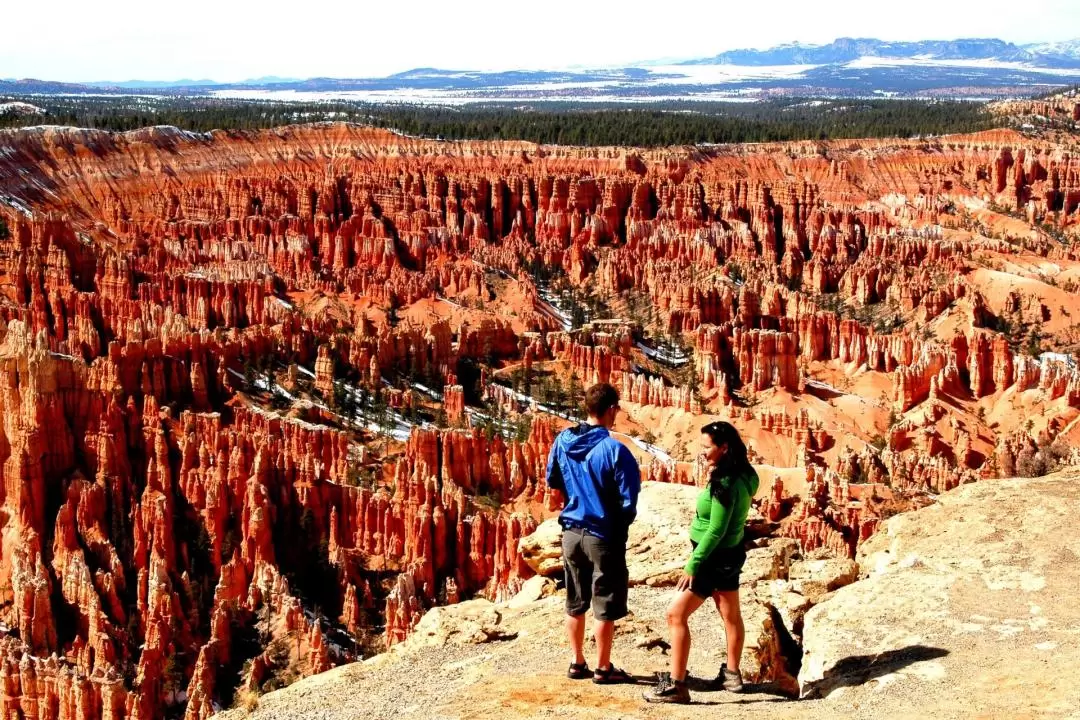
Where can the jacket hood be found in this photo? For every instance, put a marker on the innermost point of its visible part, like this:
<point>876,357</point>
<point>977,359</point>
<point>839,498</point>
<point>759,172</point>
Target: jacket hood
<point>577,441</point>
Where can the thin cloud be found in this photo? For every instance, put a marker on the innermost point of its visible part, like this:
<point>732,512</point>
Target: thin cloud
<point>229,41</point>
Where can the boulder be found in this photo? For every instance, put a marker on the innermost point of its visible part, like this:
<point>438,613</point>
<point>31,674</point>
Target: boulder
<point>535,588</point>
<point>815,578</point>
<point>542,550</point>
<point>789,605</point>
<point>770,562</point>
<point>656,549</point>
<point>764,658</point>
<point>472,621</point>
<point>659,541</point>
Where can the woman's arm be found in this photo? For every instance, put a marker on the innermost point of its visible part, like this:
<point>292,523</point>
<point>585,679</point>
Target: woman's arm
<point>719,519</point>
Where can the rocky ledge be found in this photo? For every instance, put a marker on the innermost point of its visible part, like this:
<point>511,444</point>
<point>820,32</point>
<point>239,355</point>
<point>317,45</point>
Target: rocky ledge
<point>963,609</point>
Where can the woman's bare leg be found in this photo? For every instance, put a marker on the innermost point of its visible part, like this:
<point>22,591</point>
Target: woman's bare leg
<point>727,603</point>
<point>678,615</point>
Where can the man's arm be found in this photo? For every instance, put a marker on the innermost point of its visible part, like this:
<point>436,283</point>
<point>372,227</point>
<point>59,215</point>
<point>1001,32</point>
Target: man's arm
<point>554,472</point>
<point>628,480</point>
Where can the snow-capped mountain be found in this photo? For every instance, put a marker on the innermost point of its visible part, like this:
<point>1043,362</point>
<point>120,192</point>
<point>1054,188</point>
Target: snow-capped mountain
<point>846,50</point>
<point>1064,49</point>
<point>848,67</point>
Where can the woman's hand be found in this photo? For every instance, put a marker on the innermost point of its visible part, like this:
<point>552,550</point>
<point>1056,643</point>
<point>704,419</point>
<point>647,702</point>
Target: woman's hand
<point>684,582</point>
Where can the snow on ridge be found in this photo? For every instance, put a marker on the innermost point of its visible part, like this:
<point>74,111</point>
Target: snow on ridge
<point>16,107</point>
<point>867,62</point>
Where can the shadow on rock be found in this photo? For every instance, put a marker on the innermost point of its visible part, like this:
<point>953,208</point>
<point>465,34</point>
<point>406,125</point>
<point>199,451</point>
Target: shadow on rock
<point>858,669</point>
<point>774,689</point>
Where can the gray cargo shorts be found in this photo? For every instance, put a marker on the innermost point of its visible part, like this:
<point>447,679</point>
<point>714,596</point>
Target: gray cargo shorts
<point>596,575</point>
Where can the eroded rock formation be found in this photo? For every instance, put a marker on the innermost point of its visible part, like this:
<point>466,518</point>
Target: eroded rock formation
<point>198,333</point>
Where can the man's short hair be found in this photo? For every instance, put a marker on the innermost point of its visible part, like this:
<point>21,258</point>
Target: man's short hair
<point>600,398</point>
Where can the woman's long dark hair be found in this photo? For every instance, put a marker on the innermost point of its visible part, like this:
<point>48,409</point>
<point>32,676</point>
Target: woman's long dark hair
<point>734,462</point>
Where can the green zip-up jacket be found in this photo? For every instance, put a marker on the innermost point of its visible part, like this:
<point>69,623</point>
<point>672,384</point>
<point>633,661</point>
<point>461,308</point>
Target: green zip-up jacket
<point>719,523</point>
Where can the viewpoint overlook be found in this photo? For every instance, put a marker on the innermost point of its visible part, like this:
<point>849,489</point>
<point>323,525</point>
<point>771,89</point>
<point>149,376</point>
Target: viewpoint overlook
<point>277,405</point>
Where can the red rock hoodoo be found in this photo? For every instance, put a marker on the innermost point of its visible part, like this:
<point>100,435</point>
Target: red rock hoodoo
<point>268,397</point>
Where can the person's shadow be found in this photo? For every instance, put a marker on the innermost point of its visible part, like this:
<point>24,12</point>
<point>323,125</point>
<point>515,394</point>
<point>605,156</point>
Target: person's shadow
<point>847,672</point>
<point>698,685</point>
<point>858,669</point>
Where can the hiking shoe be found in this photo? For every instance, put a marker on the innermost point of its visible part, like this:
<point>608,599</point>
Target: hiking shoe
<point>579,671</point>
<point>730,680</point>
<point>667,690</point>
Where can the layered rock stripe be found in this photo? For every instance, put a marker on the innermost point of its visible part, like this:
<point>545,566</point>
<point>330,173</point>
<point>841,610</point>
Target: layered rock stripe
<point>169,540</point>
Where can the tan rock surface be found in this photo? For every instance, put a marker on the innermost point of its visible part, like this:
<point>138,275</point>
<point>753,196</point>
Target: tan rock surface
<point>471,621</point>
<point>815,578</point>
<point>967,612</point>
<point>969,600</point>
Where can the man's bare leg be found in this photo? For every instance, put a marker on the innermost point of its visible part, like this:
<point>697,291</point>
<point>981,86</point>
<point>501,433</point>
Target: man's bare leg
<point>604,632</point>
<point>575,630</point>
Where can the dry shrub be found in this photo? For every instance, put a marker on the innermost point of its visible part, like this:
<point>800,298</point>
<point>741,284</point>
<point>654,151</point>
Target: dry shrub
<point>247,700</point>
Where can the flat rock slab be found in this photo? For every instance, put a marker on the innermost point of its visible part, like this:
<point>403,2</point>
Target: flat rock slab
<point>970,600</point>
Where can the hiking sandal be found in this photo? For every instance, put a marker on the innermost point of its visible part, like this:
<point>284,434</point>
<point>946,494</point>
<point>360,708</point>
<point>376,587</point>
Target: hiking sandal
<point>611,676</point>
<point>579,671</point>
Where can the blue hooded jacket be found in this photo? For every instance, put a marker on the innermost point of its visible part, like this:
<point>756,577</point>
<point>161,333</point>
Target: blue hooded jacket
<point>599,478</point>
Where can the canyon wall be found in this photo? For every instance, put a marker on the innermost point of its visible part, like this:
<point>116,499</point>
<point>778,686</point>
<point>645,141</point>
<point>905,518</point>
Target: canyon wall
<point>191,507</point>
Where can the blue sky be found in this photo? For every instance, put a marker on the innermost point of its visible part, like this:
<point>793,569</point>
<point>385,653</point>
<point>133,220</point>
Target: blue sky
<point>75,40</point>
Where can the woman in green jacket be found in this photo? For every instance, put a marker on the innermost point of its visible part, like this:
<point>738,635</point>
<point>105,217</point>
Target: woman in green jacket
<point>715,562</point>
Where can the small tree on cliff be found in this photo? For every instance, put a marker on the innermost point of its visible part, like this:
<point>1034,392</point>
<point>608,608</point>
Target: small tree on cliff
<point>1034,340</point>
<point>576,392</point>
<point>522,428</point>
<point>347,401</point>
<point>541,388</point>
<point>387,423</point>
<point>336,399</point>
<point>172,675</point>
<point>559,397</point>
<point>249,375</point>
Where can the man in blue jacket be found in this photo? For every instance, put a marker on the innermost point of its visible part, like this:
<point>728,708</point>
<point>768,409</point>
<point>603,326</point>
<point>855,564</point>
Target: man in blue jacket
<point>600,481</point>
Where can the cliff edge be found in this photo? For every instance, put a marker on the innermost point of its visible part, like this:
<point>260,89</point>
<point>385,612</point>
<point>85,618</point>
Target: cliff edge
<point>963,609</point>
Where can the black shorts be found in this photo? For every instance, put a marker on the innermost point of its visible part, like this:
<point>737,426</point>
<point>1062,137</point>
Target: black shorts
<point>719,572</point>
<point>596,575</point>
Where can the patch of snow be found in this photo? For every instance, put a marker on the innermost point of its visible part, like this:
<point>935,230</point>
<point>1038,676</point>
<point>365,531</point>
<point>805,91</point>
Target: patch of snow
<point>662,355</point>
<point>427,391</point>
<point>20,108</point>
<point>16,205</point>
<point>824,386</point>
<point>512,94</point>
<point>870,61</point>
<point>1053,357</point>
<point>448,302</point>
<point>653,450</point>
<point>720,74</point>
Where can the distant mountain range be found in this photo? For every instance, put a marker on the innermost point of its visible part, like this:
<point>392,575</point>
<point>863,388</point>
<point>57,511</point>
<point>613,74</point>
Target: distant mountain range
<point>846,67</point>
<point>143,84</point>
<point>845,50</point>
